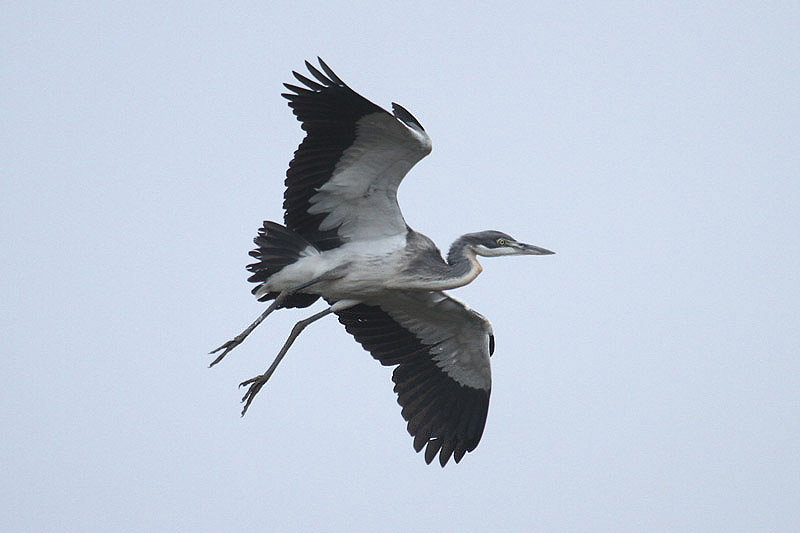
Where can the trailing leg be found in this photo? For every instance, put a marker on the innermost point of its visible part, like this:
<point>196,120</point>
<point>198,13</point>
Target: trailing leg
<point>237,340</point>
<point>258,382</point>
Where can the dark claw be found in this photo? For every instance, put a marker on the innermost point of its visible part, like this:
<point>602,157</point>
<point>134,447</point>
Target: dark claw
<point>228,346</point>
<point>255,385</point>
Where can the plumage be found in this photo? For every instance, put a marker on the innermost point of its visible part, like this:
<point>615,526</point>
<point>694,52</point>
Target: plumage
<point>344,239</point>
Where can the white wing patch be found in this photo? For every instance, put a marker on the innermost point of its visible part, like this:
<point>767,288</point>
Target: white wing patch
<point>458,336</point>
<point>360,198</point>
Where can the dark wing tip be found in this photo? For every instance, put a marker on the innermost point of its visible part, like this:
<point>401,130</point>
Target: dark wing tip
<point>433,447</point>
<point>331,74</point>
<point>403,114</point>
<point>309,83</point>
<point>324,79</point>
<point>327,77</point>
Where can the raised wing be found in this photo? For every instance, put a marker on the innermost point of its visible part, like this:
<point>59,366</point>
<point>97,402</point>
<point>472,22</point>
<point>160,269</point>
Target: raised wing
<point>443,378</point>
<point>342,183</point>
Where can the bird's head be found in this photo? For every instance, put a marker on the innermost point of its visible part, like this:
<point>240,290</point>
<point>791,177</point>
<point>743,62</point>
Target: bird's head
<point>493,243</point>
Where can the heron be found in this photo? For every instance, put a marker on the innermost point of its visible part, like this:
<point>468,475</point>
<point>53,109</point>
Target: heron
<point>344,239</point>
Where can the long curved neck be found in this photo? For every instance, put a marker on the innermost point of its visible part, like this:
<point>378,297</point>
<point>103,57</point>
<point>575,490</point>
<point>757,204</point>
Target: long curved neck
<point>427,270</point>
<point>462,262</point>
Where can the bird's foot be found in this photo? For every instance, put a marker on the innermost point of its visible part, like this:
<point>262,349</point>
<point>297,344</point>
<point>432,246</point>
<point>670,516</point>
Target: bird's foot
<point>255,385</point>
<point>228,346</point>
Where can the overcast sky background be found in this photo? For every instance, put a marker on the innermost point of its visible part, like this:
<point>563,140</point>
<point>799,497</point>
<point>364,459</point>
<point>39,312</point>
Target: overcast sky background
<point>647,377</point>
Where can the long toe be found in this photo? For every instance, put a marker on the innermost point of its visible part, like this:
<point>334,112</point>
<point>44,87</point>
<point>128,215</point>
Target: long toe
<point>255,386</point>
<point>253,380</point>
<point>228,346</point>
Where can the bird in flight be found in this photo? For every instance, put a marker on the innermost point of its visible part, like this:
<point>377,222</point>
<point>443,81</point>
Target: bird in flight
<point>345,240</point>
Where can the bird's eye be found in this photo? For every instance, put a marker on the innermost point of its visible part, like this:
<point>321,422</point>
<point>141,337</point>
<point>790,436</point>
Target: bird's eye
<point>501,242</point>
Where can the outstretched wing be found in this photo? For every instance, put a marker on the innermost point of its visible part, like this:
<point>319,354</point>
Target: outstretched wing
<point>342,183</point>
<point>443,377</point>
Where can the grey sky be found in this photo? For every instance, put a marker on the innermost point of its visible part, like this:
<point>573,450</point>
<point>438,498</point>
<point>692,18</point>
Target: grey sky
<point>646,377</point>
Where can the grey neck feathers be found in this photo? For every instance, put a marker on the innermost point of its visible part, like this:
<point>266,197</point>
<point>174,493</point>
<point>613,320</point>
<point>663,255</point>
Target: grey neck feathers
<point>460,258</point>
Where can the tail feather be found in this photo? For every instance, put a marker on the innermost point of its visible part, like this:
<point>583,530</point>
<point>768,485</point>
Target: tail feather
<point>277,247</point>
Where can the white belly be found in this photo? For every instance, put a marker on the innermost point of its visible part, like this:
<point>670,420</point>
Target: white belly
<point>347,271</point>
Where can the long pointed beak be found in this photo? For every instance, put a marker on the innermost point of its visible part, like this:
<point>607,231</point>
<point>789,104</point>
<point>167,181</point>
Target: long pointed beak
<point>530,249</point>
